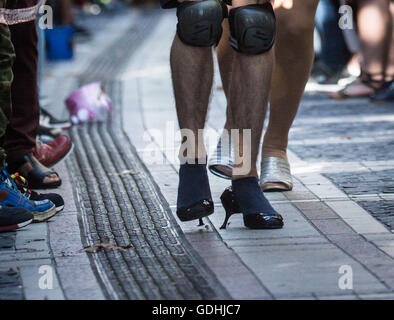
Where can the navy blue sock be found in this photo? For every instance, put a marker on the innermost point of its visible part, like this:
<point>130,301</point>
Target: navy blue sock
<point>193,184</point>
<point>250,196</point>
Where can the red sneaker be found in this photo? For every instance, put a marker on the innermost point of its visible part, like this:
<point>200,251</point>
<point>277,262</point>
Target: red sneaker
<point>50,154</point>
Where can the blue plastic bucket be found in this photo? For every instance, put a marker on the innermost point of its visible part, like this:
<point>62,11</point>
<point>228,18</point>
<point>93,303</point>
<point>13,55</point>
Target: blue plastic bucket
<point>59,41</point>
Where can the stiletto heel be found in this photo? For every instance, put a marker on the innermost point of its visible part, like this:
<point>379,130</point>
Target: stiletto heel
<point>228,215</point>
<point>229,204</point>
<point>251,221</point>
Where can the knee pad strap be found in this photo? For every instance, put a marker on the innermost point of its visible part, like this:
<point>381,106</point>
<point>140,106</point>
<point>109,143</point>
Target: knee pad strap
<point>200,22</point>
<point>252,28</point>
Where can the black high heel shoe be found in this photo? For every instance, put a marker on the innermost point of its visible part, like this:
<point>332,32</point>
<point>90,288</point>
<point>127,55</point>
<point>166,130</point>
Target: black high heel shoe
<point>251,221</point>
<point>200,209</point>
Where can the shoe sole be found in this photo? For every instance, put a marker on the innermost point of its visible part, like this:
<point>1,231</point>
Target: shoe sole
<point>200,216</point>
<point>221,170</point>
<point>59,208</point>
<point>16,226</point>
<point>43,216</point>
<point>275,187</point>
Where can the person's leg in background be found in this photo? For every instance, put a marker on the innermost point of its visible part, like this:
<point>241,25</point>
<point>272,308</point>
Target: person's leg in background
<point>375,39</point>
<point>294,54</point>
<point>20,138</point>
<point>7,58</point>
<point>10,218</point>
<point>387,92</point>
<point>333,55</point>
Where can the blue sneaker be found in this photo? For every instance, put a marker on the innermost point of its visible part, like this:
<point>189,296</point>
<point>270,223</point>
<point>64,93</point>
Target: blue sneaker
<point>10,196</point>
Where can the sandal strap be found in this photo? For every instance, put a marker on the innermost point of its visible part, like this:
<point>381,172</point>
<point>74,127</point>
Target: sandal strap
<point>37,165</point>
<point>368,79</point>
<point>36,176</point>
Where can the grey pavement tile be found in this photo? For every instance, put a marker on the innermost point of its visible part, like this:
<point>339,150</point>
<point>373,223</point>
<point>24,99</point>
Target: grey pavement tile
<point>212,248</point>
<point>7,242</point>
<point>313,240</point>
<point>332,226</point>
<point>244,286</point>
<point>379,236</point>
<point>389,296</point>
<point>25,263</point>
<point>11,292</point>
<point>201,236</point>
<point>306,270</point>
<point>40,283</point>
<point>387,249</point>
<point>77,278</point>
<point>357,246</point>
<point>344,297</point>
<point>295,225</point>
<point>297,298</point>
<point>315,210</point>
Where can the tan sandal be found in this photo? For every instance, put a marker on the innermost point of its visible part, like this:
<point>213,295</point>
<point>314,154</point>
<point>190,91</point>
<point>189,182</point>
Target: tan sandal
<point>366,79</point>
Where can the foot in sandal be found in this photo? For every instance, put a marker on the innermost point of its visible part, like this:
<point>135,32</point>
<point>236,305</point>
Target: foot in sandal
<point>39,176</point>
<point>364,86</point>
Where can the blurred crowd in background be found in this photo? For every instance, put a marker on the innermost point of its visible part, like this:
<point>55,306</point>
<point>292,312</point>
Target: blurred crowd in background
<point>359,50</point>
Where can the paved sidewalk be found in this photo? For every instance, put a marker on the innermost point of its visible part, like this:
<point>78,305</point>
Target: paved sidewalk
<point>327,223</point>
<point>340,213</point>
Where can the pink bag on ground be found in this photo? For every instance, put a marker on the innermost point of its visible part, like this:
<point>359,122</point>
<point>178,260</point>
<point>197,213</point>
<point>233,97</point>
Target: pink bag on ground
<point>89,102</point>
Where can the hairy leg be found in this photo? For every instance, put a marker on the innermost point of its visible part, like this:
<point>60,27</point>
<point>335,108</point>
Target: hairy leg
<point>225,57</point>
<point>248,89</point>
<point>192,75</point>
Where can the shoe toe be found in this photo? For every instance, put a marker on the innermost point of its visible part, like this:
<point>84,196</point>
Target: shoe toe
<point>263,221</point>
<point>196,211</point>
<point>42,206</point>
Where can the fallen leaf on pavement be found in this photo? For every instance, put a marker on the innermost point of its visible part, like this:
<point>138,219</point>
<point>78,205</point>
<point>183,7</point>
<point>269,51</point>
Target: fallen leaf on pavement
<point>106,245</point>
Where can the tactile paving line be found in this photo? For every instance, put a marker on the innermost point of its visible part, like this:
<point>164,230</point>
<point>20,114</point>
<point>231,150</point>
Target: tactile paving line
<point>127,209</point>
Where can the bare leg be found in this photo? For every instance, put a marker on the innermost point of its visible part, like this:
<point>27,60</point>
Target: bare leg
<point>390,63</point>
<point>294,57</point>
<point>225,57</point>
<point>375,39</point>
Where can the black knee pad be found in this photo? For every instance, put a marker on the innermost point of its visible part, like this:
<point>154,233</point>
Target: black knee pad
<point>252,28</point>
<point>200,23</point>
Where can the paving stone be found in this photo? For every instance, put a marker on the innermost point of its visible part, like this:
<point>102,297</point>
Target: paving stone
<point>332,226</point>
<point>315,210</point>
<point>307,270</point>
<point>31,278</point>
<point>11,293</point>
<point>7,241</point>
<point>377,296</point>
